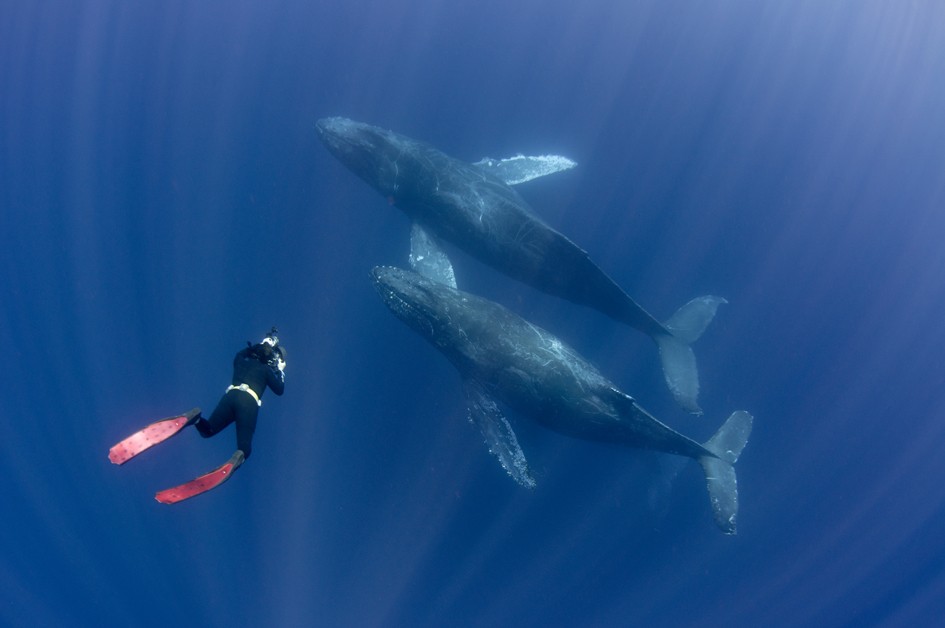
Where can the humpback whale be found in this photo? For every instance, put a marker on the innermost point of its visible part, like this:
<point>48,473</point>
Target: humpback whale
<point>474,207</point>
<point>503,358</point>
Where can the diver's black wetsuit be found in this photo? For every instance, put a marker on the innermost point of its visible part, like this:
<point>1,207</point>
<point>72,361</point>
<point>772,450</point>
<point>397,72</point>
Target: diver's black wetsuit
<point>239,405</point>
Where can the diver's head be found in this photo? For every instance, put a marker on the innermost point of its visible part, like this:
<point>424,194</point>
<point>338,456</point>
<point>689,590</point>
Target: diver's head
<point>268,350</point>
<point>272,338</point>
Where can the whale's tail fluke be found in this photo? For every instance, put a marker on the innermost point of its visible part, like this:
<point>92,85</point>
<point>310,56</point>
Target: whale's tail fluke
<point>725,448</point>
<point>679,362</point>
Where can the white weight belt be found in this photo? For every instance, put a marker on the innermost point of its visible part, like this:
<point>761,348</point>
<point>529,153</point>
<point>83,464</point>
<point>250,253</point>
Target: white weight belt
<point>246,389</point>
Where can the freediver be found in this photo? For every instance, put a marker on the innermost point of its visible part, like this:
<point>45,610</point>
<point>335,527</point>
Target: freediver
<point>257,367</point>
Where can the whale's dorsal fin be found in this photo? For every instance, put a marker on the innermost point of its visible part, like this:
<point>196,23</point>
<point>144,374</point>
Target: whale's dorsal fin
<point>428,259</point>
<point>521,168</point>
<point>497,432</point>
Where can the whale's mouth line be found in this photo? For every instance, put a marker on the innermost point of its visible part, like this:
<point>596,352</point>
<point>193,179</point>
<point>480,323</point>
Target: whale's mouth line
<point>394,299</point>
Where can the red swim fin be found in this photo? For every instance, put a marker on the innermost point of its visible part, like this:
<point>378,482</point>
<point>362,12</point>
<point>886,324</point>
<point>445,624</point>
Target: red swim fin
<point>150,436</point>
<point>202,484</point>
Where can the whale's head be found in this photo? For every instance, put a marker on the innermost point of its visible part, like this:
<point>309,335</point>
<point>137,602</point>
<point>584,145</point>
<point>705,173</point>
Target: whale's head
<point>422,303</point>
<point>473,333</point>
<point>378,156</point>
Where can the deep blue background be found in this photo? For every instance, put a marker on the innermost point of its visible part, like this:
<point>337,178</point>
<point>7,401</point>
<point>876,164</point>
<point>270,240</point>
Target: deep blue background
<point>163,198</point>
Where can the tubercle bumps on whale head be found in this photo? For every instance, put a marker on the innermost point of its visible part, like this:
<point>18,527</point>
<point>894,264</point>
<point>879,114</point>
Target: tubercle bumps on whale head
<point>410,298</point>
<point>376,155</point>
<point>397,287</point>
<point>405,285</point>
<point>349,141</point>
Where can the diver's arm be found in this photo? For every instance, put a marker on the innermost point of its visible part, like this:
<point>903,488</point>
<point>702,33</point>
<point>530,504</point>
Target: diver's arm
<point>275,379</point>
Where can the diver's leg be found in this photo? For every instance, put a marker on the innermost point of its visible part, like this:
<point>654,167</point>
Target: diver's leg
<point>221,417</point>
<point>247,411</point>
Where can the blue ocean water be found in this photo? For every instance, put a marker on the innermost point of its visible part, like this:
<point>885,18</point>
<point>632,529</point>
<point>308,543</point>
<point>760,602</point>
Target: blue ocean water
<point>164,198</point>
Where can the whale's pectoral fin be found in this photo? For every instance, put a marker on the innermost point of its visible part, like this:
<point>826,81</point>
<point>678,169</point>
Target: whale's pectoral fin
<point>498,434</point>
<point>726,446</point>
<point>679,362</point>
<point>690,320</point>
<point>679,369</point>
<point>521,168</point>
<point>428,259</point>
